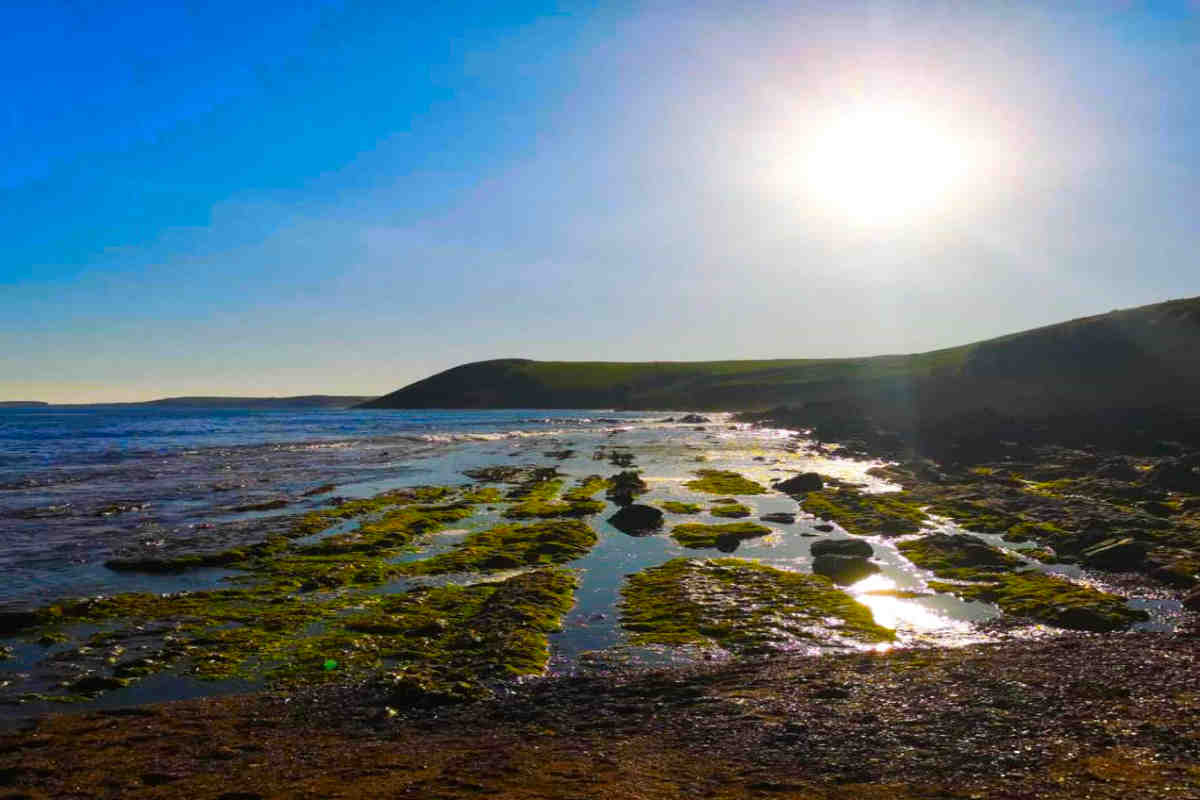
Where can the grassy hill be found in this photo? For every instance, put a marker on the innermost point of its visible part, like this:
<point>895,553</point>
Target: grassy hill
<point>1135,357</point>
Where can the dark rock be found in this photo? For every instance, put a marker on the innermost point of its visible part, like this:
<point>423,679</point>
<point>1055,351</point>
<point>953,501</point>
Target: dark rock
<point>158,778</point>
<point>1191,600</point>
<point>779,516</point>
<point>624,486</point>
<point>620,458</point>
<point>844,570</point>
<point>637,520</point>
<point>1176,566</point>
<point>1116,554</point>
<point>857,548</point>
<point>1178,475</point>
<point>694,419</point>
<point>12,622</point>
<point>824,527</point>
<point>802,483</point>
<point>1157,508</point>
<point>94,684</point>
<point>1117,469</point>
<point>728,542</point>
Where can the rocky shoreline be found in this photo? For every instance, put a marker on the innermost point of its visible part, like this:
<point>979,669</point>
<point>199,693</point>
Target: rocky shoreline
<point>1042,712</point>
<point>1071,716</point>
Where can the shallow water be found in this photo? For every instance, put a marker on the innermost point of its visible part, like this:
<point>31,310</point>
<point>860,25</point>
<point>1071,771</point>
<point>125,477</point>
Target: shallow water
<point>176,472</point>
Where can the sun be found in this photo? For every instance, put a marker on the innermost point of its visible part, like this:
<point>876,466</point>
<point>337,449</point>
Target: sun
<point>885,164</point>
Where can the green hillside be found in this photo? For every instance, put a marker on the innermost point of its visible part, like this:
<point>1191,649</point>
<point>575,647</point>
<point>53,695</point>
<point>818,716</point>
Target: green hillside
<point>1134,357</point>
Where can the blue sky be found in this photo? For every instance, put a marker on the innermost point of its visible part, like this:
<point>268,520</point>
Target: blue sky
<point>330,197</point>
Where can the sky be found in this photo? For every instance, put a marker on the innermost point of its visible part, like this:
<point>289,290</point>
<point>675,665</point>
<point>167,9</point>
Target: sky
<point>333,197</point>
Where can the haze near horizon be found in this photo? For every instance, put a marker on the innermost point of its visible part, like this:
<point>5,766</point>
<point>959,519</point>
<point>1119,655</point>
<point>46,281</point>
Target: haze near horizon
<point>340,200</point>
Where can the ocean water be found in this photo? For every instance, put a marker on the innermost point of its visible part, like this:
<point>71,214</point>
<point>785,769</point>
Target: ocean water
<point>81,484</point>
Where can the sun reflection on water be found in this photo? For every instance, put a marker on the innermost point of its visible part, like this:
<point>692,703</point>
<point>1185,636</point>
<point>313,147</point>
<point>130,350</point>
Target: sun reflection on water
<point>897,609</point>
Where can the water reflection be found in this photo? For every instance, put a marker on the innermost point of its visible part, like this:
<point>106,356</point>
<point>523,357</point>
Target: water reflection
<point>901,609</point>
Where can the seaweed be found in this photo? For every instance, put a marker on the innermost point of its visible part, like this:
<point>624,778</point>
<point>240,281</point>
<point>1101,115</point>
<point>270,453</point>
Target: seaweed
<point>716,481</point>
<point>676,507</point>
<point>892,514</point>
<point>696,536</point>
<point>741,606</point>
<point>511,547</point>
<point>732,510</point>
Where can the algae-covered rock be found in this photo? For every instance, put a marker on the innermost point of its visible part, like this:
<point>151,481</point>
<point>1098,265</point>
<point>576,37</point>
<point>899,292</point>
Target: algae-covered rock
<point>802,484</point>
<point>95,684</point>
<point>843,547</point>
<point>509,546</point>
<point>974,516</point>
<point>892,514</point>
<point>730,510</point>
<point>844,570</point>
<point>988,573</point>
<point>942,551</point>
<point>637,520</point>
<point>742,606</point>
<point>726,537</point>
<point>676,507</point>
<point>778,516</point>
<point>452,643</point>
<point>716,481</point>
<point>1053,600</point>
<point>1177,566</point>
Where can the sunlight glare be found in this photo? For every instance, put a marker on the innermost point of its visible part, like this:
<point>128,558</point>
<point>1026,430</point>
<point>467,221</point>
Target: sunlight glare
<point>883,164</point>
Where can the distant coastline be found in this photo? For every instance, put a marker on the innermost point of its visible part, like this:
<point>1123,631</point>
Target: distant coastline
<point>302,401</point>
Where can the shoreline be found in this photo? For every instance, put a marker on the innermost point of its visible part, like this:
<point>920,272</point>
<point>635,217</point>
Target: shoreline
<point>1075,716</point>
<point>1065,715</point>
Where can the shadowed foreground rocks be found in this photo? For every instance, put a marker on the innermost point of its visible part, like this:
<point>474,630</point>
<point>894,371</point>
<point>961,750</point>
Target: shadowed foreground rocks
<point>1074,716</point>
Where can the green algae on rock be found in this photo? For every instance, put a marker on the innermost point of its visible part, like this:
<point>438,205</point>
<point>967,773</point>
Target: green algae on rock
<point>289,640</point>
<point>453,642</point>
<point>511,546</point>
<point>676,507</point>
<point>316,521</point>
<point>695,535</point>
<point>1033,531</point>
<point>393,530</point>
<point>286,621</point>
<point>1049,599</point>
<point>892,514</point>
<point>987,573</point>
<point>973,516</point>
<point>731,510</point>
<point>717,481</point>
<point>741,606</point>
<point>943,553</point>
